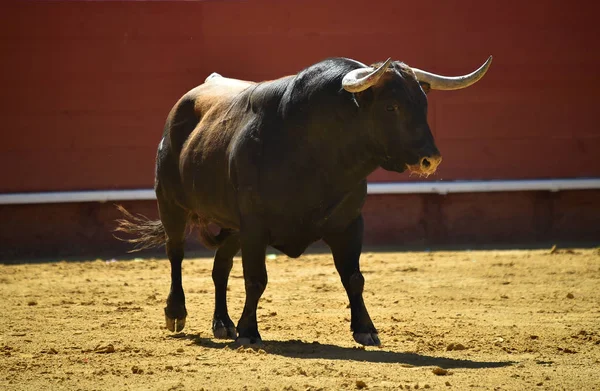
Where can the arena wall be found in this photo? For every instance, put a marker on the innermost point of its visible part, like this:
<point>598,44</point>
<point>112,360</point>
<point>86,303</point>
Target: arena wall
<point>86,87</point>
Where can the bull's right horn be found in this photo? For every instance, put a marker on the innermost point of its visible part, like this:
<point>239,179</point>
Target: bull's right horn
<point>363,78</point>
<point>438,82</point>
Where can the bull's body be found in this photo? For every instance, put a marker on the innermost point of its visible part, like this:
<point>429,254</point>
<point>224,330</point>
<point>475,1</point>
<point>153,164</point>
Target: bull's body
<point>283,163</point>
<point>231,145</point>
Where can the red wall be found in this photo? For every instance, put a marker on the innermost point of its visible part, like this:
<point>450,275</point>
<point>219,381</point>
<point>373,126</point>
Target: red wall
<point>86,86</point>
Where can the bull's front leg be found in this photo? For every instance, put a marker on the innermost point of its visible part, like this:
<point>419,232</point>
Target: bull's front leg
<point>254,246</point>
<point>346,247</point>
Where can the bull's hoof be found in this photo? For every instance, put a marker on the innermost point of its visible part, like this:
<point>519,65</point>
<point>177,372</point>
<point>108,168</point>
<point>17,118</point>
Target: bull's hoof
<point>175,315</point>
<point>367,339</point>
<point>249,341</point>
<point>175,324</point>
<point>225,333</point>
<point>220,331</point>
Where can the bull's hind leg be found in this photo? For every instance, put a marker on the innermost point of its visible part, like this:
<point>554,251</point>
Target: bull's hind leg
<point>346,248</point>
<point>222,325</point>
<point>174,220</point>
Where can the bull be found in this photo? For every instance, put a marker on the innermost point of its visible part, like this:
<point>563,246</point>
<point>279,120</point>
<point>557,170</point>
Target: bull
<point>283,163</point>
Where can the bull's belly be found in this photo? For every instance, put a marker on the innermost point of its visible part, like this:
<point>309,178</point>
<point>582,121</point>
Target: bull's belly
<point>293,246</point>
<point>293,238</point>
<point>293,250</point>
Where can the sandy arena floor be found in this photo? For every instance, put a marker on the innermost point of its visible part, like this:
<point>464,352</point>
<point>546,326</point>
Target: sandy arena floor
<point>489,320</point>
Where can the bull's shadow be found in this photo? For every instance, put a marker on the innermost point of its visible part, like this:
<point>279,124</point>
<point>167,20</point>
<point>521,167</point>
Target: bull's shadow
<point>308,350</point>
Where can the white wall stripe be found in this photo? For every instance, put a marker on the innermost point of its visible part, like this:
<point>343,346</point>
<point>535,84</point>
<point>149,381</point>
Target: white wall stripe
<point>373,188</point>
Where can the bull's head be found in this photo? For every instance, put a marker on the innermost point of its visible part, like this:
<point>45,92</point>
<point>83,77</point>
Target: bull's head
<point>393,97</point>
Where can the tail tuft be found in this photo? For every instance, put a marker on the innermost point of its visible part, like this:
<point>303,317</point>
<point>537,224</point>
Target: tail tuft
<point>147,233</point>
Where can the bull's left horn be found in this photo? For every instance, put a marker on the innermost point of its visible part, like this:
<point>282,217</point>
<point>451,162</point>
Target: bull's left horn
<point>363,78</point>
<point>438,82</point>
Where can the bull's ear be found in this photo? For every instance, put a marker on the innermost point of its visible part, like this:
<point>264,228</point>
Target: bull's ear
<point>425,86</point>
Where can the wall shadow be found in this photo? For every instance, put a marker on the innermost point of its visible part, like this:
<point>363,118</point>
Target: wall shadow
<point>196,251</point>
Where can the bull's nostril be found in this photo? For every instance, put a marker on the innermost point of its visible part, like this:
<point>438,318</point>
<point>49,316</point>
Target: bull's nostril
<point>425,163</point>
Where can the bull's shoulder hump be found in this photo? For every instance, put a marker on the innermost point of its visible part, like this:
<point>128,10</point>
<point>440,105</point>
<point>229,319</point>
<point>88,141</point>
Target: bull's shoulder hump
<point>216,92</point>
<point>216,79</point>
<point>220,87</point>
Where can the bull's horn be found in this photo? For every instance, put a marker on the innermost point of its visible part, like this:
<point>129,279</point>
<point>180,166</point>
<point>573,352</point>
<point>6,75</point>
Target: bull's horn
<point>360,79</point>
<point>437,82</point>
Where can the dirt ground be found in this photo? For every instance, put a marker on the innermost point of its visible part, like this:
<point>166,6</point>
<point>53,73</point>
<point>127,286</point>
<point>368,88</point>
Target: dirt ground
<point>492,320</point>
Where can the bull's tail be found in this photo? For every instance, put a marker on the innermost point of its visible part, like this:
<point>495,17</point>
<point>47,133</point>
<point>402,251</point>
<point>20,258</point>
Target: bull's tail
<point>151,233</point>
<point>146,233</point>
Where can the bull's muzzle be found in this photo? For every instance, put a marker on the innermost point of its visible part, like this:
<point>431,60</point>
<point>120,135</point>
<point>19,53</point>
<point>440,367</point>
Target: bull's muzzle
<point>426,166</point>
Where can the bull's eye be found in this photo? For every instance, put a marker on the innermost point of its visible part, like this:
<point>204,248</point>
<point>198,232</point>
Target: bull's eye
<point>391,107</point>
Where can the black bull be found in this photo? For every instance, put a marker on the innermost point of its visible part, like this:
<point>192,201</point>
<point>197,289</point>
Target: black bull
<point>284,163</point>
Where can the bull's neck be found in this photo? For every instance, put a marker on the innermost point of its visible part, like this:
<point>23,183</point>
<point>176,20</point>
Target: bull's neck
<point>347,157</point>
